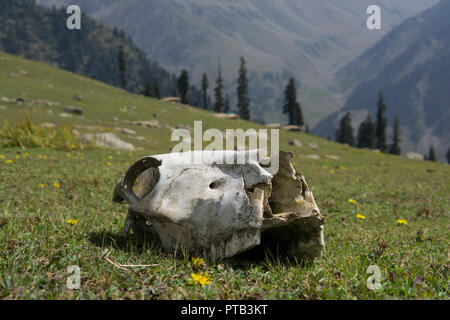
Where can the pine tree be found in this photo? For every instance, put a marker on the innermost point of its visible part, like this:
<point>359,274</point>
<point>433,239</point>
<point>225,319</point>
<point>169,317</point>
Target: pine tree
<point>226,104</point>
<point>205,86</point>
<point>366,133</point>
<point>218,92</point>
<point>448,155</point>
<point>183,86</point>
<point>432,154</point>
<point>156,91</point>
<point>242,92</point>
<point>148,90</point>
<point>291,106</point>
<point>345,132</point>
<point>381,125</point>
<point>395,146</point>
<point>122,66</point>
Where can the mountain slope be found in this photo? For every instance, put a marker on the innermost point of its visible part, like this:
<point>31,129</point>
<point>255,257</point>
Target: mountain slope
<point>302,38</point>
<point>412,67</point>
<point>38,33</point>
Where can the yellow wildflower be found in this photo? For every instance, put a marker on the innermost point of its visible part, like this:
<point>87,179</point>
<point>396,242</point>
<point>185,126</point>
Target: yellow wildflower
<point>110,157</point>
<point>26,154</point>
<point>2,156</point>
<point>40,156</point>
<point>73,146</point>
<point>108,163</point>
<point>199,278</point>
<point>331,171</point>
<point>56,185</point>
<point>68,154</point>
<point>352,201</point>
<point>360,216</point>
<point>197,262</point>
<point>119,153</point>
<point>17,157</point>
<point>72,221</point>
<point>402,221</point>
<point>44,157</point>
<point>8,161</point>
<point>41,185</point>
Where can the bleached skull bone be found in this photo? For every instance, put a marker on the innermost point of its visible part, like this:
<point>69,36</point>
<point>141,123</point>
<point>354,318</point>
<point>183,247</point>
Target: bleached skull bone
<point>217,210</point>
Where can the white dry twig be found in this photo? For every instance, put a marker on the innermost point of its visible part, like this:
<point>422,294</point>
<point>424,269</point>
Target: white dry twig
<point>125,266</point>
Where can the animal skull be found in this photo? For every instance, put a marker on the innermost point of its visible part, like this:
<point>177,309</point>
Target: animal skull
<point>218,210</point>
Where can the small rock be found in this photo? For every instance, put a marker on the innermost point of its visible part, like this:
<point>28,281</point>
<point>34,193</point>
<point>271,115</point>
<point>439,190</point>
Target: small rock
<point>231,116</point>
<point>292,128</point>
<point>332,157</point>
<point>49,111</point>
<point>273,125</point>
<point>172,100</point>
<point>77,97</point>
<point>313,145</point>
<point>140,138</point>
<point>93,128</point>
<point>313,156</point>
<point>125,130</point>
<point>414,156</point>
<point>107,140</point>
<point>149,124</point>
<point>65,115</point>
<point>2,108</point>
<point>48,125</point>
<point>295,143</point>
<point>126,109</point>
<point>74,110</point>
<point>20,100</point>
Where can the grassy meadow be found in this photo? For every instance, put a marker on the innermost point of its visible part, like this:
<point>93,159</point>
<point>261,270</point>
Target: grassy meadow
<point>56,209</point>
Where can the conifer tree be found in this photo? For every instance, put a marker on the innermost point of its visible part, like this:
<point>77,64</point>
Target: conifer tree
<point>448,155</point>
<point>366,133</point>
<point>242,92</point>
<point>148,90</point>
<point>291,106</point>
<point>381,125</point>
<point>344,134</point>
<point>432,154</point>
<point>122,66</point>
<point>396,141</point>
<point>183,86</point>
<point>156,91</point>
<point>218,92</point>
<point>205,87</point>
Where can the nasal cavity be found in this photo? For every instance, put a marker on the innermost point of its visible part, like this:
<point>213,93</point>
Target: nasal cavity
<point>214,185</point>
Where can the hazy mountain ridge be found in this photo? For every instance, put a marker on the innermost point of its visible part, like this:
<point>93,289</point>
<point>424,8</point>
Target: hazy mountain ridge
<point>412,67</point>
<point>306,39</point>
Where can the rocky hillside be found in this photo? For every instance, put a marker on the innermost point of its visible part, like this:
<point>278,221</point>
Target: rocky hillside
<point>412,66</point>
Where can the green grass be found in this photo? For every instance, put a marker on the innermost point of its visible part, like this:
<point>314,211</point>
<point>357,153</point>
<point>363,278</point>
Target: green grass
<point>40,189</point>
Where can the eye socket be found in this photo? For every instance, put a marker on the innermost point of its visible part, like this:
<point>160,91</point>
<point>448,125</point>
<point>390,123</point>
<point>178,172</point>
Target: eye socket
<point>214,185</point>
